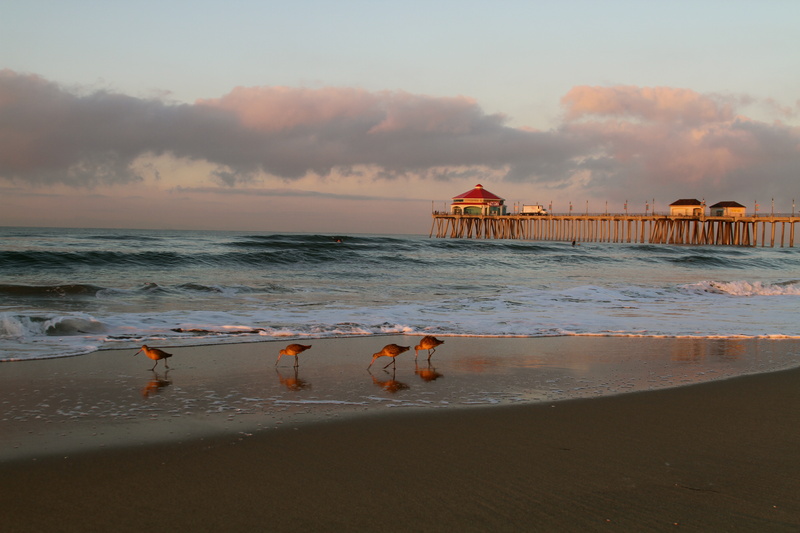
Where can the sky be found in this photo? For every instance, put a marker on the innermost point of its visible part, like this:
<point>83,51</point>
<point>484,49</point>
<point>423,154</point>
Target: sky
<point>363,116</point>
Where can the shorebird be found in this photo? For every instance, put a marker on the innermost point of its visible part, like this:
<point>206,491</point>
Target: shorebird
<point>155,354</point>
<point>293,350</point>
<point>427,343</point>
<point>390,350</point>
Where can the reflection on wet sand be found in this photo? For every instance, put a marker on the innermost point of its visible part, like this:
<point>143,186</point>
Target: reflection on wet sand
<point>155,385</point>
<point>294,382</point>
<point>694,350</point>
<point>389,385</point>
<point>427,374</point>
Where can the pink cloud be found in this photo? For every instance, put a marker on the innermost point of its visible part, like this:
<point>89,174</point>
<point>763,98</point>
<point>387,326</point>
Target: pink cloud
<point>409,112</point>
<point>286,108</point>
<point>647,103</point>
<point>611,141</point>
<point>273,109</point>
<point>676,139</point>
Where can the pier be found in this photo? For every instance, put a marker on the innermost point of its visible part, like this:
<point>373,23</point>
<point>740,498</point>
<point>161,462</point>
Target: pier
<point>762,231</point>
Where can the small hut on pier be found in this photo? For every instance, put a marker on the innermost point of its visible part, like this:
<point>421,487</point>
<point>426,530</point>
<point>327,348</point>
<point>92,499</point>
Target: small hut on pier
<point>686,207</point>
<point>478,201</point>
<point>727,209</point>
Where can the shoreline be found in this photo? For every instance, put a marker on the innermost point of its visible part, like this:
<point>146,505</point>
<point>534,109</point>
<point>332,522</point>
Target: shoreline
<point>578,454</point>
<point>111,399</point>
<point>311,339</point>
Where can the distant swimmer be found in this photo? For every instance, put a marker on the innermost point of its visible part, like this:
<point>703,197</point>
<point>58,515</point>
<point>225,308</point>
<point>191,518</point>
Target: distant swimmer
<point>390,350</point>
<point>155,354</point>
<point>427,343</point>
<point>294,350</point>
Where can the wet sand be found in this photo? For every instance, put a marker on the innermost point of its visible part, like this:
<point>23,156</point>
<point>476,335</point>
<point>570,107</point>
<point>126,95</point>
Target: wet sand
<point>494,443</point>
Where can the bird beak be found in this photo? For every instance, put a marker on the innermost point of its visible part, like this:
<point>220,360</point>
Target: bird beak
<point>137,353</point>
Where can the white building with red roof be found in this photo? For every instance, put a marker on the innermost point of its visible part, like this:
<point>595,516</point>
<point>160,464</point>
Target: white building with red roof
<point>478,201</point>
<point>686,207</point>
<point>728,209</point>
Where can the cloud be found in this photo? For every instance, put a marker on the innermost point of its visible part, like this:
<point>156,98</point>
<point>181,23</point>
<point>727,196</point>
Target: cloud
<point>610,141</point>
<point>662,104</point>
<point>282,193</point>
<point>670,139</point>
<point>52,135</point>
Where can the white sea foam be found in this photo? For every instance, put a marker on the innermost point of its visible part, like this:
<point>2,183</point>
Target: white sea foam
<point>746,288</point>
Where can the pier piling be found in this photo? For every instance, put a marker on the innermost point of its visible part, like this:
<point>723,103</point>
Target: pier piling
<point>652,229</point>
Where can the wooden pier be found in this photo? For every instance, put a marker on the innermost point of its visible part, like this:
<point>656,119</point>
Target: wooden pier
<point>652,229</point>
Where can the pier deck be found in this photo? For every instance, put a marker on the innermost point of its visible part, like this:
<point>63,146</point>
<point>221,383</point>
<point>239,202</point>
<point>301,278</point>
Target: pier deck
<point>651,229</point>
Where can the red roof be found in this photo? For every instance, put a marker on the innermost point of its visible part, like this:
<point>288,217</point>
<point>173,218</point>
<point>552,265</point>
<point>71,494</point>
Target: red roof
<point>478,193</point>
<point>727,204</point>
<point>686,201</point>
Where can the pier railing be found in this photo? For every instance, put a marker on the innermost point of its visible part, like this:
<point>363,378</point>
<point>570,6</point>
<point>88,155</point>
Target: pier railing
<point>652,229</point>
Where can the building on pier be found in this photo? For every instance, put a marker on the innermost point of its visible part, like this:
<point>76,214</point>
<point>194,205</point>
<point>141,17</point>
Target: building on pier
<point>652,229</point>
<point>480,214</point>
<point>478,201</point>
<point>686,207</point>
<point>727,209</point>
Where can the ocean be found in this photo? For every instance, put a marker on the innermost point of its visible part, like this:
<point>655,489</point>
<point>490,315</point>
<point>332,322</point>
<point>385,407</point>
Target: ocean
<point>68,292</point>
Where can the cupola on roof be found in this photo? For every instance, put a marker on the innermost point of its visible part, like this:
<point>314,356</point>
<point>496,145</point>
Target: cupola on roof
<point>478,193</point>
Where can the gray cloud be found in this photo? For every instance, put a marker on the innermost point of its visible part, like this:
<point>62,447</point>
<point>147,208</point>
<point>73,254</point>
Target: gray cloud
<point>284,193</point>
<point>611,141</point>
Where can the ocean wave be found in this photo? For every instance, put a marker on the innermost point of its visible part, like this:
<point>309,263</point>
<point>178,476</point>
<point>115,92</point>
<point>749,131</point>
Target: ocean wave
<point>137,253</point>
<point>704,260</point>
<point>32,326</point>
<point>49,291</point>
<point>746,288</point>
<point>71,292</point>
<point>38,295</point>
<point>66,260</point>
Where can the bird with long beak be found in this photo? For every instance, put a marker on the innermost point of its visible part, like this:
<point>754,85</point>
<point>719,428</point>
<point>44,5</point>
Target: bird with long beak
<point>390,350</point>
<point>294,350</point>
<point>155,354</point>
<point>427,343</point>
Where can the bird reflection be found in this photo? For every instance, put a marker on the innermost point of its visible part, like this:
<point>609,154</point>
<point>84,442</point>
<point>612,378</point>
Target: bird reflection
<point>293,382</point>
<point>389,385</point>
<point>427,374</point>
<point>155,385</point>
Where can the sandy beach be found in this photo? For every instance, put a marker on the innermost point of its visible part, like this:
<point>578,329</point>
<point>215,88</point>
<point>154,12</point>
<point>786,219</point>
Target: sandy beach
<point>553,434</point>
